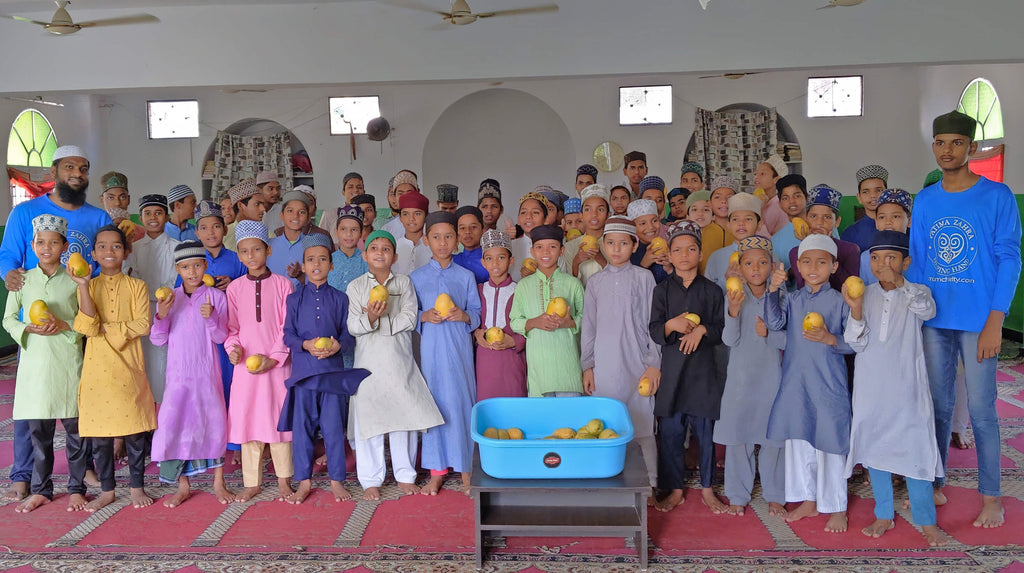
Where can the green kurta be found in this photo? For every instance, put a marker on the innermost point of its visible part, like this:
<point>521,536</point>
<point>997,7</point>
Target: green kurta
<point>552,358</point>
<point>49,367</point>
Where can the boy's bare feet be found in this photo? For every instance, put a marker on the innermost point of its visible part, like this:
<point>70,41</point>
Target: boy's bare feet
<point>220,487</point>
<point>735,509</point>
<point>991,513</point>
<point>670,501</point>
<point>371,494</point>
<point>837,523</point>
<point>300,494</point>
<point>939,496</point>
<point>184,492</point>
<point>339,491</point>
<point>708,498</point>
<point>140,498</point>
<point>962,441</point>
<point>102,500</point>
<point>31,503</point>
<point>284,488</point>
<point>935,536</point>
<point>776,508</point>
<point>408,488</point>
<point>76,502</point>
<point>806,509</point>
<point>321,461</point>
<point>91,479</point>
<point>17,492</point>
<point>433,486</point>
<point>465,482</point>
<point>247,494</point>
<point>236,458</point>
<point>878,528</point>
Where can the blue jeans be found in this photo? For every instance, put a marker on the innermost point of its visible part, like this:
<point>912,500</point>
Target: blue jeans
<point>922,502</point>
<point>942,347</point>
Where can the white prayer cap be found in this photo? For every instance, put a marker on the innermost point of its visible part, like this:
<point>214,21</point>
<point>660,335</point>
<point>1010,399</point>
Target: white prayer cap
<point>817,242</point>
<point>69,151</point>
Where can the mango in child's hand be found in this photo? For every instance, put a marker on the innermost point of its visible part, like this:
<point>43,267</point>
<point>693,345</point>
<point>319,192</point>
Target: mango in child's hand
<point>127,227</point>
<point>800,228</point>
<point>595,426</point>
<point>588,243</point>
<point>854,287</point>
<point>813,320</point>
<point>733,284</point>
<point>558,307</point>
<point>760,194</point>
<point>162,293</point>
<point>658,246</point>
<point>564,434</point>
<point>692,318</point>
<point>644,387</point>
<point>530,264</point>
<point>39,313</point>
<point>494,335</point>
<point>208,280</point>
<point>515,434</point>
<point>491,433</point>
<point>572,234</point>
<point>379,293</point>
<point>443,305</point>
<point>78,266</point>
<point>254,362</point>
<point>607,434</point>
<point>322,343</point>
<point>734,258</point>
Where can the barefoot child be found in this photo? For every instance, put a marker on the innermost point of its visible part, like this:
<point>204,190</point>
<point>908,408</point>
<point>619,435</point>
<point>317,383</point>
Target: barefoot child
<point>50,364</point>
<point>320,384</point>
<point>752,381</point>
<point>394,399</point>
<point>501,365</point>
<point>617,352</point>
<point>893,417</point>
<point>285,252</point>
<point>690,392</point>
<point>256,317</point>
<point>192,423</point>
<point>446,351</point>
<point>114,398</point>
<point>812,409</point>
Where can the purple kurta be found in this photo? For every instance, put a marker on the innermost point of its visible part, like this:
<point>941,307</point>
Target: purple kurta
<point>192,422</point>
<point>499,373</point>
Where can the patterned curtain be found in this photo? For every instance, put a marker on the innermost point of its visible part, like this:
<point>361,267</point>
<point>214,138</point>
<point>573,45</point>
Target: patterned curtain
<point>236,157</point>
<point>733,143</point>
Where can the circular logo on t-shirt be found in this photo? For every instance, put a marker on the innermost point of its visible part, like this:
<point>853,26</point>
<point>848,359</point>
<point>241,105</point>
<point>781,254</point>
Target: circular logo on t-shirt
<point>552,460</point>
<point>952,245</point>
<point>78,242</point>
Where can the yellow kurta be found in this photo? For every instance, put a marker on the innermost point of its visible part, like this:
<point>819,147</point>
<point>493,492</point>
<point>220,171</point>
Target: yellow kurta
<point>114,397</point>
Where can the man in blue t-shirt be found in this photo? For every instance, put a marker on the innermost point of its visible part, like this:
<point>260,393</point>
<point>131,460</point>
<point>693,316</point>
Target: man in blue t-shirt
<point>965,246</point>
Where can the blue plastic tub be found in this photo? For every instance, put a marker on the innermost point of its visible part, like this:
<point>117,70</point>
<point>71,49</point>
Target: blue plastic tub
<point>536,458</point>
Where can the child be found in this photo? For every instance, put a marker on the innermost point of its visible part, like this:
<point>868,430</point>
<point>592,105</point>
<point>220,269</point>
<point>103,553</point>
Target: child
<point>618,200</point>
<point>256,318</point>
<point>577,261</point>
<point>690,393</point>
<point>116,199</point>
<point>698,210</point>
<point>872,180</point>
<point>744,219</point>
<point>691,177</point>
<point>246,205</point>
<point>394,399</point>
<point>533,210</point>
<point>573,218</point>
<point>489,203</point>
<point>766,176</point>
<point>716,234</point>
<point>752,381</point>
<point>447,197</point>
<point>227,208</point>
<point>823,219</point>
<point>501,365</point>
<point>658,196</point>
<point>285,253</point>
<point>114,397</point>
<point>412,251</point>
<point>368,205</point>
<point>644,214</point>
<point>348,261</point>
<point>446,352</point>
<point>812,409</point>
<point>320,383</point>
<point>892,213</point>
<point>192,423</point>
<point>404,182</point>
<point>550,339</point>
<point>793,202</point>
<point>471,228</point>
<point>677,205</point>
<point>181,200</point>
<point>720,193</point>
<point>616,351</point>
<point>893,417</point>
<point>151,260</point>
<point>50,364</point>
<point>586,175</point>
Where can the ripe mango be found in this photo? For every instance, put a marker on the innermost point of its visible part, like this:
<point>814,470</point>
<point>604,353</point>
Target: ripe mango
<point>734,258</point>
<point>78,266</point>
<point>379,293</point>
<point>585,436</point>
<point>800,228</point>
<point>162,293</point>
<point>658,246</point>
<point>443,305</point>
<point>644,387</point>
<point>607,434</point>
<point>572,234</point>
<point>515,434</point>
<point>558,307</point>
<point>127,227</point>
<point>494,335</point>
<point>322,343</point>
<point>208,280</point>
<point>502,434</point>
<point>254,362</point>
<point>733,284</point>
<point>760,194</point>
<point>595,426</point>
<point>588,243</point>
<point>530,264</point>
<point>813,320</point>
<point>39,313</point>
<point>692,318</point>
<point>854,287</point>
<point>491,433</point>
<point>564,434</point>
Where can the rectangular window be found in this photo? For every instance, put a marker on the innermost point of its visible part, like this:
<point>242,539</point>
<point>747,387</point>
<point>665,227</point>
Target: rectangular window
<point>645,105</point>
<point>173,119</point>
<point>835,97</point>
<point>350,114</point>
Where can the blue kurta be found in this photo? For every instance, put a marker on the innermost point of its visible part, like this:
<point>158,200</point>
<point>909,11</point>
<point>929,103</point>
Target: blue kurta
<point>345,270</point>
<point>657,270</point>
<point>860,233</point>
<point>472,260</point>
<point>813,403</point>
<point>283,253</point>
<point>177,233</point>
<point>446,359</point>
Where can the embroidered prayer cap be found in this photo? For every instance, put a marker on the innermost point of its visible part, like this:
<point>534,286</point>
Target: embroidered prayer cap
<point>150,200</point>
<point>754,242</point>
<point>296,196</point>
<point>641,207</point>
<point>595,190</point>
<point>676,192</point>
<point>555,198</point>
<point>114,180</point>
<point>414,200</point>
<point>587,169</point>
<point>619,224</point>
<point>447,193</point>
<point>790,180</point>
<point>634,156</point>
<point>439,217</point>
<point>684,227</point>
<point>69,151</point>
<point>817,242</point>
<point>544,204</point>
<point>953,122</point>
<point>469,210</point>
<point>380,234</point>
<point>652,182</point>
<point>317,240</point>
<point>350,212</point>
<point>489,188</point>
<point>933,177</point>
<point>52,223</point>
<point>822,194</point>
<point>265,177</point>
<point>187,250</point>
<point>405,178</point>
<point>697,197</point>
<point>897,197</point>
<point>872,172</point>
<point>573,205</point>
<point>890,241</point>
<point>745,202</point>
<point>208,209</point>
<point>724,181</point>
<point>179,192</point>
<point>305,189</point>
<point>251,230</point>
<point>242,190</point>
<point>493,238</point>
<point>547,232</point>
<point>364,199</point>
<point>778,164</point>
<point>692,167</point>
<point>350,176</point>
<point>117,213</point>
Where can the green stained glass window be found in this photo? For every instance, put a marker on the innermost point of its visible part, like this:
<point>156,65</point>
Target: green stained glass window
<point>980,101</point>
<point>32,141</point>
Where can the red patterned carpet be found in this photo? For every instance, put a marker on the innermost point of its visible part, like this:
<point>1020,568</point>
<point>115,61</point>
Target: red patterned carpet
<point>423,533</point>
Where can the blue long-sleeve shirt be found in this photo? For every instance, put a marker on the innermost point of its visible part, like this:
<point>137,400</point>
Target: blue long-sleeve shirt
<point>472,260</point>
<point>965,247</point>
<point>226,263</point>
<point>315,312</point>
<point>16,248</point>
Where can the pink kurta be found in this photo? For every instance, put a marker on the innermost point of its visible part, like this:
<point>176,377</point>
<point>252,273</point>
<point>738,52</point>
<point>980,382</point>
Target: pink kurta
<point>256,314</point>
<point>499,373</point>
<point>192,422</point>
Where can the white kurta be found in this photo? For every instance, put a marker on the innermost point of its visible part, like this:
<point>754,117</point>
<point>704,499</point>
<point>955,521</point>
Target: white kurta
<point>520,252</point>
<point>152,261</point>
<point>587,269</point>
<point>893,426</point>
<point>410,256</point>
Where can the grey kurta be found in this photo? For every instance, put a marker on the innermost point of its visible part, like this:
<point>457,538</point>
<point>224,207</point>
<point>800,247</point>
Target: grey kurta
<point>754,375</point>
<point>615,340</point>
<point>394,398</point>
<point>893,425</point>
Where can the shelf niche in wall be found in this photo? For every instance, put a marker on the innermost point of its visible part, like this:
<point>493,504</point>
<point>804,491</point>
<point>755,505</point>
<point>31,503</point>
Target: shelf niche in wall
<point>256,126</point>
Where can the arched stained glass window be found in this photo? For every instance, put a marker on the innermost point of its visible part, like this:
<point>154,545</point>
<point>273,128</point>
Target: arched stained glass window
<point>980,101</point>
<point>32,141</point>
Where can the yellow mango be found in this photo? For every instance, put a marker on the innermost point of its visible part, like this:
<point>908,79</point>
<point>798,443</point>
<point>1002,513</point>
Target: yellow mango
<point>494,335</point>
<point>322,343</point>
<point>254,362</point>
<point>595,426</point>
<point>564,434</point>
<point>443,305</point>
<point>127,227</point>
<point>585,436</point>
<point>162,293</point>
<point>854,287</point>
<point>530,264</point>
<point>558,307</point>
<point>607,434</point>
<point>491,433</point>
<point>734,258</point>
<point>658,246</point>
<point>502,434</point>
<point>813,320</point>
<point>800,228</point>
<point>78,266</point>
<point>379,293</point>
<point>209,281</point>
<point>733,284</point>
<point>572,234</point>
<point>644,387</point>
<point>588,243</point>
<point>692,318</point>
<point>761,194</point>
<point>39,313</point>
<point>515,434</point>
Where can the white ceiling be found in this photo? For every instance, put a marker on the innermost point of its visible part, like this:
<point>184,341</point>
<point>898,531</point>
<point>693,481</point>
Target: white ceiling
<point>306,42</point>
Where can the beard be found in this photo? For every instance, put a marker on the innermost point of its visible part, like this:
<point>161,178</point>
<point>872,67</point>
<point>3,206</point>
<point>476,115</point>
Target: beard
<point>71,196</point>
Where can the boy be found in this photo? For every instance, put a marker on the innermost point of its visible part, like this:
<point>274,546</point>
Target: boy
<point>501,365</point>
<point>823,219</point>
<point>115,200</point>
<point>744,219</point>
<point>793,202</point>
<point>152,261</point>
<point>691,177</point>
<point>256,317</point>
<point>634,167</point>
<point>658,196</point>
<point>310,228</point>
<point>586,175</point>
<point>644,214</point>
<point>50,364</point>
<point>583,263</point>
<point>766,176</point>
<point>891,214</point>
<point>489,202</point>
<point>402,183</point>
<point>893,417</point>
<point>871,181</point>
<point>368,205</point>
<point>573,218</point>
<point>549,338</point>
<point>221,263</point>
<point>647,188</point>
<point>412,250</point>
<point>394,399</point>
<point>192,423</point>
<point>812,409</point>
<point>286,249</point>
<point>268,185</point>
<point>446,351</point>
<point>471,229</point>
<point>182,202</point>
<point>690,393</point>
<point>320,383</point>
<point>617,352</point>
<point>447,197</point>
<point>618,200</point>
<point>246,205</point>
<point>677,204</point>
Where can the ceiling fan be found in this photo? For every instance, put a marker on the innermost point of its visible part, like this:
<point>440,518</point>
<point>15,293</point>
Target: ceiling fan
<point>460,14</point>
<point>36,100</point>
<point>61,24</point>
<point>730,75</point>
<point>838,3</point>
